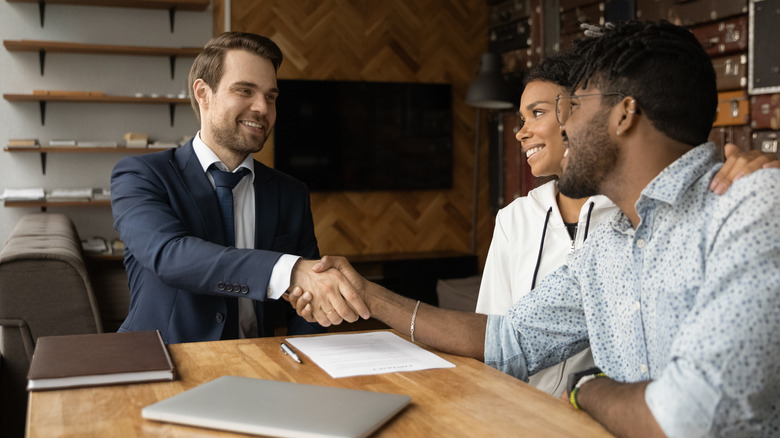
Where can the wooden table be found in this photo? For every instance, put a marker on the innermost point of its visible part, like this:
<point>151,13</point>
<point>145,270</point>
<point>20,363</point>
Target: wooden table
<point>471,399</point>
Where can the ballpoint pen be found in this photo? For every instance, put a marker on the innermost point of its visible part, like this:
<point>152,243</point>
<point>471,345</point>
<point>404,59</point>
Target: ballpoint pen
<point>288,351</point>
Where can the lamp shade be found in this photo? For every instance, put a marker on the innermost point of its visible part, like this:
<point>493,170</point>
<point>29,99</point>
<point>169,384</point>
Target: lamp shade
<point>489,89</point>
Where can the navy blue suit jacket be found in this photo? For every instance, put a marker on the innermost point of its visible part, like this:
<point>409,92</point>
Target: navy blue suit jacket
<point>177,261</point>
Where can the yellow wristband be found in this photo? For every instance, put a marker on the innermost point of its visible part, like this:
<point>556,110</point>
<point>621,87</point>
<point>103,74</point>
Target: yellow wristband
<point>576,389</point>
<point>573,399</point>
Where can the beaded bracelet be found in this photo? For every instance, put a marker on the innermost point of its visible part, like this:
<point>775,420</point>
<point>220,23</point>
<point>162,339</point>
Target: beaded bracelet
<point>414,315</point>
<point>576,389</point>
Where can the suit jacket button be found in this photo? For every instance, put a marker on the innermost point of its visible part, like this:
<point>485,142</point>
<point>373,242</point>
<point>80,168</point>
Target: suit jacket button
<point>244,289</point>
<point>236,288</point>
<point>229,287</point>
<point>220,317</point>
<point>221,286</point>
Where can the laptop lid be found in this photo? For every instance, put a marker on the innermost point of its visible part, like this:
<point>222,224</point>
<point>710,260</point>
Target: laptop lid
<point>280,409</point>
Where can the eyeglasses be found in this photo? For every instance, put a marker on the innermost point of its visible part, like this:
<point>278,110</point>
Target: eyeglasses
<point>564,105</point>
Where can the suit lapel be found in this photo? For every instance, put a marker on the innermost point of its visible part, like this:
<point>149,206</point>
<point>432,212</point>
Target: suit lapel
<point>197,184</point>
<point>266,218</point>
<point>266,207</point>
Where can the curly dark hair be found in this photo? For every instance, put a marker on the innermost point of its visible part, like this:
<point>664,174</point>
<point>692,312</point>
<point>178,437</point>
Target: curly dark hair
<point>554,68</point>
<point>662,66</point>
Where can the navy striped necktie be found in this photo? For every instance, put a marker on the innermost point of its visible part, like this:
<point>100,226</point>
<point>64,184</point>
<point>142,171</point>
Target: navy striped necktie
<point>225,182</point>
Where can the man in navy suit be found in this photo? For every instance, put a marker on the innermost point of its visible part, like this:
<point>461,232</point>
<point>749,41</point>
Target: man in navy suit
<point>190,277</point>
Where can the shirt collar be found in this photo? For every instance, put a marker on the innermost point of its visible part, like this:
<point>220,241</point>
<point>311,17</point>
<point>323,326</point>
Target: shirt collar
<point>207,157</point>
<point>670,185</point>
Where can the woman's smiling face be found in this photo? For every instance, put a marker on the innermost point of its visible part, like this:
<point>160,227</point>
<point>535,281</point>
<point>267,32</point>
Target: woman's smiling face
<point>540,135</point>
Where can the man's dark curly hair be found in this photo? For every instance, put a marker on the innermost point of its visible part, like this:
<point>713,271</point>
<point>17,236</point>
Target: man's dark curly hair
<point>661,65</point>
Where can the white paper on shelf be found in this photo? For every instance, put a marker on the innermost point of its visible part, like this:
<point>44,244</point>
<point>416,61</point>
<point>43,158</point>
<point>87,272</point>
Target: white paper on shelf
<point>97,143</point>
<point>79,193</point>
<point>62,142</point>
<point>30,194</point>
<point>94,245</point>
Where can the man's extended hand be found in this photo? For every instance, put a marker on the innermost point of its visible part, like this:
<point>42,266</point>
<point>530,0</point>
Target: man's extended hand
<point>333,298</point>
<point>739,164</point>
<point>305,302</point>
<point>301,302</point>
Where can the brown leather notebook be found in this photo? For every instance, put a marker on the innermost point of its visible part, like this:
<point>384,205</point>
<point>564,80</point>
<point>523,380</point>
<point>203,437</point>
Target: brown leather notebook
<point>99,359</point>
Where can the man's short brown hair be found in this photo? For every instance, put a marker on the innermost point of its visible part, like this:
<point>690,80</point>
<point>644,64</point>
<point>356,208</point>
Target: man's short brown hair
<point>209,64</point>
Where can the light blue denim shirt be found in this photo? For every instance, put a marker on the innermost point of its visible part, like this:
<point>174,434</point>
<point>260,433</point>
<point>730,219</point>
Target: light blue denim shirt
<point>690,299</point>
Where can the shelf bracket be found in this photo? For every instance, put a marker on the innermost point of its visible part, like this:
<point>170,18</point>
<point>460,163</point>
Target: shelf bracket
<point>172,108</point>
<point>173,66</point>
<point>41,9</point>
<point>171,16</point>
<point>42,104</point>
<point>43,162</point>
<point>42,59</point>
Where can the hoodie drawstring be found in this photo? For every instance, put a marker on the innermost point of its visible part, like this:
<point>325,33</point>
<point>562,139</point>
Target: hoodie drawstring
<point>544,233</point>
<point>587,221</point>
<point>541,248</point>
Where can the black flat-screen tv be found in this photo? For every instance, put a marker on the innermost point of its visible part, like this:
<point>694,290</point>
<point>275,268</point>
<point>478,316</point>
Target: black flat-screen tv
<point>359,136</point>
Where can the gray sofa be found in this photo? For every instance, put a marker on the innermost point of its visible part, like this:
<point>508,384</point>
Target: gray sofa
<point>45,290</point>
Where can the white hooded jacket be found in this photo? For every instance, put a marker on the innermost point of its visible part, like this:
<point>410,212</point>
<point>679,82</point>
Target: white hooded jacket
<point>530,240</point>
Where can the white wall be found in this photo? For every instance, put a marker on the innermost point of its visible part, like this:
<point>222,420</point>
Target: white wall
<point>111,74</point>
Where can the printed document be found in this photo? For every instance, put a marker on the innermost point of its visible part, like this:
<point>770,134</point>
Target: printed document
<point>362,354</point>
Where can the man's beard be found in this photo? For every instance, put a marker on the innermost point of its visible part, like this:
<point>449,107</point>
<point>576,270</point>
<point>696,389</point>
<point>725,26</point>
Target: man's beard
<point>230,137</point>
<point>592,158</point>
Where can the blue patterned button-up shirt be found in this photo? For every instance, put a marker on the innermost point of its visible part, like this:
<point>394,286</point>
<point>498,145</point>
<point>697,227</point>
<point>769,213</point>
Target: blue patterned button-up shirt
<point>690,299</point>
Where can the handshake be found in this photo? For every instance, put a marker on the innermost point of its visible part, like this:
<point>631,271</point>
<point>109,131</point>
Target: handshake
<point>328,291</point>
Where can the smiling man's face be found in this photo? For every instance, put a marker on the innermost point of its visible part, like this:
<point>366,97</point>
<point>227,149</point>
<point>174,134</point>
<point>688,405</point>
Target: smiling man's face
<point>241,112</point>
<point>591,155</point>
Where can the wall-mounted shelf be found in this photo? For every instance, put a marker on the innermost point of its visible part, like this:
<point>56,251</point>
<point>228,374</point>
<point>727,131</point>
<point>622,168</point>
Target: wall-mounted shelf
<point>43,205</point>
<point>42,99</point>
<point>77,149</point>
<point>171,5</point>
<point>43,150</point>
<point>42,47</point>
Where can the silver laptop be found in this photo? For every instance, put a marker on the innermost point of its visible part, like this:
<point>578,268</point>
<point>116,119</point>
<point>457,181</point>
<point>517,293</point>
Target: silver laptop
<point>280,409</point>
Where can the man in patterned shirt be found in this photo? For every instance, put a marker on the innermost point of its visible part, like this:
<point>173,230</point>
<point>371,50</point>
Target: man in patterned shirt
<point>678,295</point>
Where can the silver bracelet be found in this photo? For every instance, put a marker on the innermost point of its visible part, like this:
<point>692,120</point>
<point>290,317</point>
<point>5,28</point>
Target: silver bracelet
<point>414,315</point>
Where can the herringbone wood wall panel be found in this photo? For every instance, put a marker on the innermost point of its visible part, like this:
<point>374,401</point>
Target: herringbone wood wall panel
<point>386,40</point>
